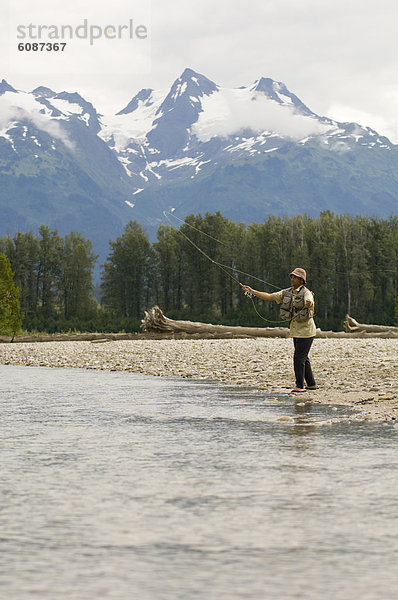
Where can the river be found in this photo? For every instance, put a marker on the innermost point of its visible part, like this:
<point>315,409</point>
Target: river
<point>122,486</point>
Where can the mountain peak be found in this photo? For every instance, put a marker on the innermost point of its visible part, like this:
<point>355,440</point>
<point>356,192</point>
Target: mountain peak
<point>188,72</point>
<point>6,87</point>
<point>43,92</point>
<point>179,110</point>
<point>194,83</point>
<point>264,84</point>
<point>272,89</point>
<point>189,85</point>
<point>277,91</point>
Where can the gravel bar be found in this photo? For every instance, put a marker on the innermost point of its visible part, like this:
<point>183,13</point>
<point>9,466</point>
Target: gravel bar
<point>357,372</point>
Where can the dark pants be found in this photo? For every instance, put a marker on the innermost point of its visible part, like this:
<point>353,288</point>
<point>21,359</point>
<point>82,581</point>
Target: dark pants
<point>302,365</point>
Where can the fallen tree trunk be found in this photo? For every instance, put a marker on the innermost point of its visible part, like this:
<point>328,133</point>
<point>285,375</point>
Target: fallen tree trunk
<point>351,326</point>
<point>156,325</point>
<point>156,321</point>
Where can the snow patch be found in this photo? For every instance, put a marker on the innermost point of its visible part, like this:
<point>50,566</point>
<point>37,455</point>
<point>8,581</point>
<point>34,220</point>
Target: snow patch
<point>199,165</point>
<point>142,174</point>
<point>246,144</point>
<point>5,135</point>
<point>133,126</point>
<point>336,131</point>
<point>285,99</point>
<point>149,168</point>
<point>180,89</point>
<point>86,118</point>
<point>125,161</point>
<point>176,163</point>
<point>66,107</point>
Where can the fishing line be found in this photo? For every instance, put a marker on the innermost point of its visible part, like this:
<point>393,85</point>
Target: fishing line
<point>253,276</point>
<point>255,309</point>
<point>225,267</point>
<point>195,228</point>
<point>212,260</point>
<point>220,265</point>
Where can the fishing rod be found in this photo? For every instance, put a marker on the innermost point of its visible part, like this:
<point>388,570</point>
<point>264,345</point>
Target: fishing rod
<point>221,265</point>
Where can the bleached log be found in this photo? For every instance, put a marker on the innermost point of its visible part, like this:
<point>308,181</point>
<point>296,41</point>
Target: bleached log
<point>156,322</point>
<point>351,326</point>
<point>156,325</point>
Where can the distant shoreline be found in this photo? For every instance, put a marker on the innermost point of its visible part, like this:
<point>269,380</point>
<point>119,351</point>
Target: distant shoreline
<point>361,373</point>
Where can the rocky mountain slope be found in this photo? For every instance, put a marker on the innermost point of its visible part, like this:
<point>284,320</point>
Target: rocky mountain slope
<point>249,152</point>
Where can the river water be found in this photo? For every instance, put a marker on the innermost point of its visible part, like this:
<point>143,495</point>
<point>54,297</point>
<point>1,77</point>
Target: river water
<point>122,486</point>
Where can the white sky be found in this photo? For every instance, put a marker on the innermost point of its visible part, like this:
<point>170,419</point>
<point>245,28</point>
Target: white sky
<point>340,57</point>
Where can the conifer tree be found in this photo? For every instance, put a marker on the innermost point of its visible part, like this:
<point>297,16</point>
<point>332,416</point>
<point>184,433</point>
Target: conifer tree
<point>127,273</point>
<point>74,279</point>
<point>10,311</point>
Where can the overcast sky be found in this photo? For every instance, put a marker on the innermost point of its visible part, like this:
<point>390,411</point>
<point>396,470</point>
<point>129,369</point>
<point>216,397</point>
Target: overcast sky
<point>340,57</point>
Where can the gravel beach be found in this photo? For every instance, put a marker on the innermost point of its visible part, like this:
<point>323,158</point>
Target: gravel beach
<point>362,373</point>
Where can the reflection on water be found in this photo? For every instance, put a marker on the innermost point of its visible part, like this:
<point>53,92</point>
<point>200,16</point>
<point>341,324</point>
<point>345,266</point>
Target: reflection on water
<point>305,423</point>
<point>121,486</point>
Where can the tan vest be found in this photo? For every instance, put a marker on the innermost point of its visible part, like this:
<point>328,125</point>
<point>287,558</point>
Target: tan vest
<point>294,306</point>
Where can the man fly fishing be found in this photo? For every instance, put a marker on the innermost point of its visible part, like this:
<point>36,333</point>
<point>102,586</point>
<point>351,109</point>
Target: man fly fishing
<point>297,307</point>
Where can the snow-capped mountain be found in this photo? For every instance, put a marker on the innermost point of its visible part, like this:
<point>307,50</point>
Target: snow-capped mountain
<point>197,126</point>
<point>248,151</point>
<point>54,169</point>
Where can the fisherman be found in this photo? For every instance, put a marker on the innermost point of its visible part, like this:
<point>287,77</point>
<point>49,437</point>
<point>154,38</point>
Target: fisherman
<point>297,307</point>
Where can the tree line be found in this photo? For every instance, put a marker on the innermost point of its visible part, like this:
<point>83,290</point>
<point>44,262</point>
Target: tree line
<point>54,276</point>
<point>192,271</point>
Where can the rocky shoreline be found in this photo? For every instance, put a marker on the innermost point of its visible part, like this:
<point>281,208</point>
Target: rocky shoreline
<point>361,373</point>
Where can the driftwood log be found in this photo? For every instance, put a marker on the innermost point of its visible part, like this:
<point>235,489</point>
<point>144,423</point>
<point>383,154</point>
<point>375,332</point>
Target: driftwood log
<point>156,325</point>
<point>352,326</point>
<point>156,322</point>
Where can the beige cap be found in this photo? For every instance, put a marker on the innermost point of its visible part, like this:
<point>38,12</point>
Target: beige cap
<point>299,273</point>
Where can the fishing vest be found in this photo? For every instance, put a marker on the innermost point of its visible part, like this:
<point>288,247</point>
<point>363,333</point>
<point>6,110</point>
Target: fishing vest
<point>294,306</point>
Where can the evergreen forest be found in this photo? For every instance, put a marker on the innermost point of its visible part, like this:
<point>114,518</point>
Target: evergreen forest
<point>193,268</point>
